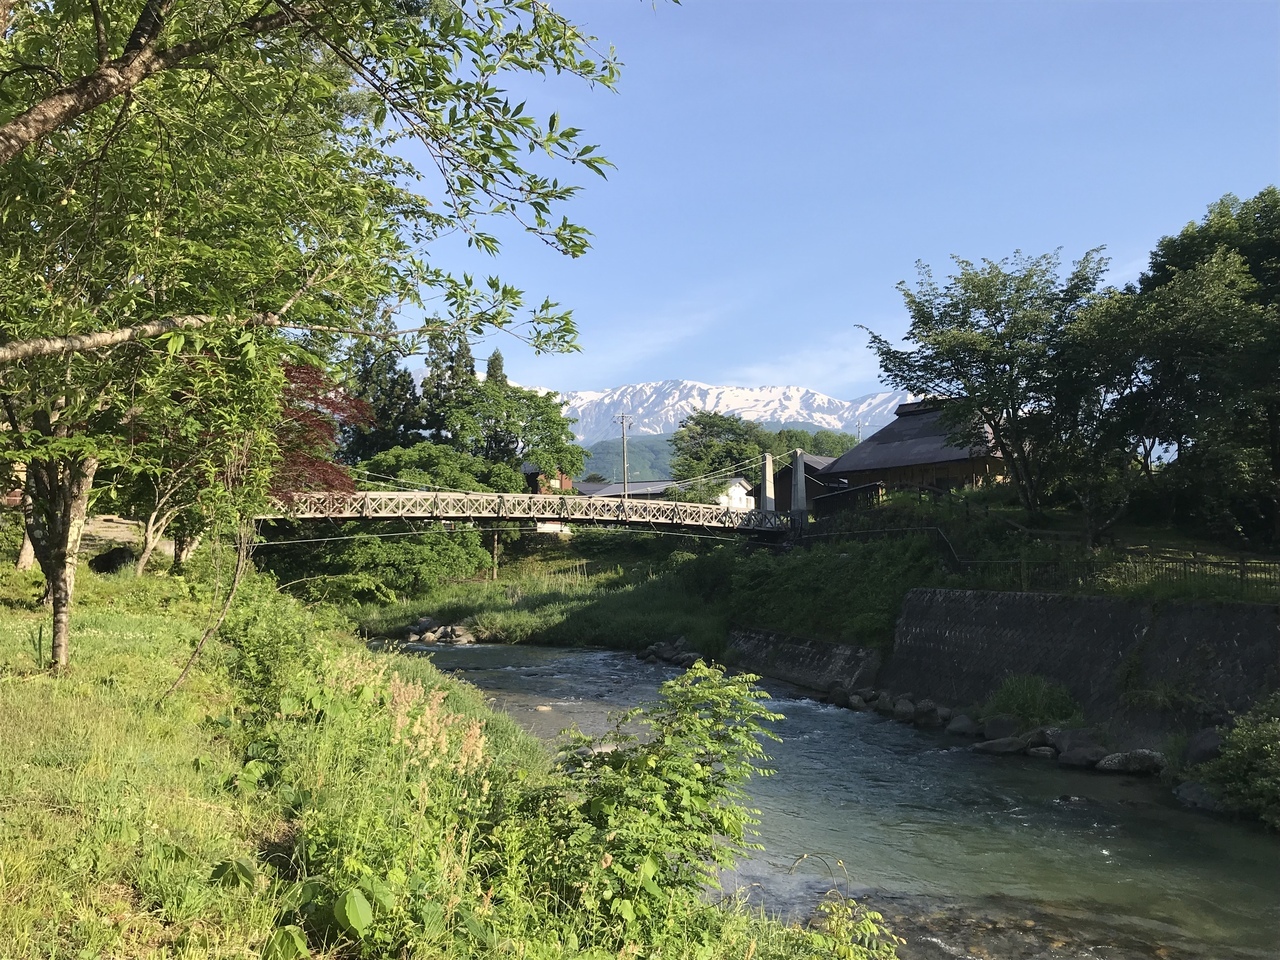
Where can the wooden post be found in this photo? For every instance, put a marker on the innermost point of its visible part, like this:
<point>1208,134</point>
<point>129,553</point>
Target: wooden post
<point>767,501</point>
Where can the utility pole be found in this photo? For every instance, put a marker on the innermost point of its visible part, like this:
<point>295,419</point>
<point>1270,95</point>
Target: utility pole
<point>625,419</point>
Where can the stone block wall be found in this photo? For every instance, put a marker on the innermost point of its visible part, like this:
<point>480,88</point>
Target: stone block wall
<point>1143,670</point>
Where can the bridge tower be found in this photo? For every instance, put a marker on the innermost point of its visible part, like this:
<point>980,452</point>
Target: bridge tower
<point>767,500</point>
<point>799,502</point>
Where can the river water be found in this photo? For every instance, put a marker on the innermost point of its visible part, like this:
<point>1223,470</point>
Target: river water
<point>969,856</point>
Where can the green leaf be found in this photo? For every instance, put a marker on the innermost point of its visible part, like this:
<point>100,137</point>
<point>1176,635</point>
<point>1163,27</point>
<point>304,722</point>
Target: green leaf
<point>238,872</point>
<point>286,943</point>
<point>353,913</point>
<point>379,892</point>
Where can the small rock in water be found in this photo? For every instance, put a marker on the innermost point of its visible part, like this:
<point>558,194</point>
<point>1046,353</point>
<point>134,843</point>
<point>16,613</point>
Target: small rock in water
<point>1133,761</point>
<point>963,726</point>
<point>1003,745</point>
<point>1083,757</point>
<point>1044,753</point>
<point>542,708</point>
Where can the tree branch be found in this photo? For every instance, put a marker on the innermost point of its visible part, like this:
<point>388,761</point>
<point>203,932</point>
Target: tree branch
<point>100,32</point>
<point>104,339</point>
<point>116,77</point>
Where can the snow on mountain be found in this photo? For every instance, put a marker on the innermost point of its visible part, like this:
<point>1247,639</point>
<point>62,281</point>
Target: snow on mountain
<point>659,407</point>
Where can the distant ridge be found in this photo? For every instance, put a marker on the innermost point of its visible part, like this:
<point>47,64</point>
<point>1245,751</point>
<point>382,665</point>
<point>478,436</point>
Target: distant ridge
<point>659,407</point>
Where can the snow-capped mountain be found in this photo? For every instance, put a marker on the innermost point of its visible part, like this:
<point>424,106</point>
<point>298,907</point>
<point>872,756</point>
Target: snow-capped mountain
<point>659,407</point>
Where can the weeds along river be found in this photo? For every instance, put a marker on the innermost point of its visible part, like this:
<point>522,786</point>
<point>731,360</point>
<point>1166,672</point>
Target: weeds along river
<point>967,855</point>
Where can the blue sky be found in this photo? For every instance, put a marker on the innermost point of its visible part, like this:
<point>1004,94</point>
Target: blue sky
<point>783,164</point>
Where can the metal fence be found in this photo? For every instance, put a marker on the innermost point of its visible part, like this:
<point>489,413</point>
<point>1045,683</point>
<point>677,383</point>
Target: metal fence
<point>1257,581</point>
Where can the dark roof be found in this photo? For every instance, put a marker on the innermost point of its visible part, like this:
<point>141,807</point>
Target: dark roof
<point>917,436</point>
<point>813,463</point>
<point>643,488</point>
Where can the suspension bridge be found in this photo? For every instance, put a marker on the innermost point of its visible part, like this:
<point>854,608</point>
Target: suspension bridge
<point>540,508</point>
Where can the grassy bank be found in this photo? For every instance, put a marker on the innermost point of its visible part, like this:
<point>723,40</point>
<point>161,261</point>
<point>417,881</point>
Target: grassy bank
<point>627,592</point>
<point>299,796</point>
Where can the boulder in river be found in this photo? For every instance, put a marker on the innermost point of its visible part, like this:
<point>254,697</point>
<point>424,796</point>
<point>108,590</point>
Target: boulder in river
<point>883,703</point>
<point>838,696</point>
<point>1198,797</point>
<point>964,726</point>
<point>1064,741</point>
<point>944,714</point>
<point>927,714</point>
<point>1044,753</point>
<point>1042,737</point>
<point>1133,761</point>
<point>904,710</point>
<point>1002,745</point>
<point>1082,757</point>
<point>1204,746</point>
<point>866,693</point>
<point>857,703</point>
<point>1000,726</point>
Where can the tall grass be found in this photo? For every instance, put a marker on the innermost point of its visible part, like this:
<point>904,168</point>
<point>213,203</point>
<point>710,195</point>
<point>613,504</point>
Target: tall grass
<point>300,796</point>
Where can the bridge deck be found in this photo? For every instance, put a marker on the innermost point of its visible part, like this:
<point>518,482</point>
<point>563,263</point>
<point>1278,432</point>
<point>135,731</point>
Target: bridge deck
<point>538,507</point>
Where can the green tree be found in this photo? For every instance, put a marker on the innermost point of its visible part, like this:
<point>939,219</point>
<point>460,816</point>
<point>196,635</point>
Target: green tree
<point>382,561</point>
<point>720,446</point>
<point>451,374</point>
<point>497,421</point>
<point>432,466</point>
<point>125,177</point>
<point>821,443</point>
<point>494,369</point>
<point>1208,314</point>
<point>984,343</point>
<point>395,415</point>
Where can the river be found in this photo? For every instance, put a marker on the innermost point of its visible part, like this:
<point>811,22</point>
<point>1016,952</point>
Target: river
<point>969,856</point>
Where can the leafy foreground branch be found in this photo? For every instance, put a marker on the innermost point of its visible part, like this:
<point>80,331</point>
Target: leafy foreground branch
<point>300,797</point>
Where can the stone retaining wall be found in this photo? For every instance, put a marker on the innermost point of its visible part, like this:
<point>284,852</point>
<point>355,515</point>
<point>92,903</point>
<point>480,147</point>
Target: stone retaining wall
<point>813,664</point>
<point>1144,670</point>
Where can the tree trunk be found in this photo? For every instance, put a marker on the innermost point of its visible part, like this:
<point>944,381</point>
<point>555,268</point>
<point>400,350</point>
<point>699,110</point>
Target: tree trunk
<point>184,546</point>
<point>26,553</point>
<point>55,513</point>
<point>152,531</point>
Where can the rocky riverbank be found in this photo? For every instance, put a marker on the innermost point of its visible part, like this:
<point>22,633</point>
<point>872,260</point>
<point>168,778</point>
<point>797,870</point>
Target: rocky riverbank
<point>1079,747</point>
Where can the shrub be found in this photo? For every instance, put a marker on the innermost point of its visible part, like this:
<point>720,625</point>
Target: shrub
<point>1247,773</point>
<point>271,637</point>
<point>1033,699</point>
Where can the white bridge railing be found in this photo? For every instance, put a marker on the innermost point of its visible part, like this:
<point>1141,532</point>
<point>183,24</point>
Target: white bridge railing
<point>516,506</point>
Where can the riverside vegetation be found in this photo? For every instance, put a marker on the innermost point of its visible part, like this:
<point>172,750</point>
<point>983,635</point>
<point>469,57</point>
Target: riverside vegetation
<point>298,796</point>
<point>630,591</point>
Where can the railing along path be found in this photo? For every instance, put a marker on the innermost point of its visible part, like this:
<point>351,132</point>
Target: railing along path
<point>415,505</point>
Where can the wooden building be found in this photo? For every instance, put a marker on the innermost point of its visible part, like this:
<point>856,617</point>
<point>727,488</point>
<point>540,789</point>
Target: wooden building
<point>913,450</point>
